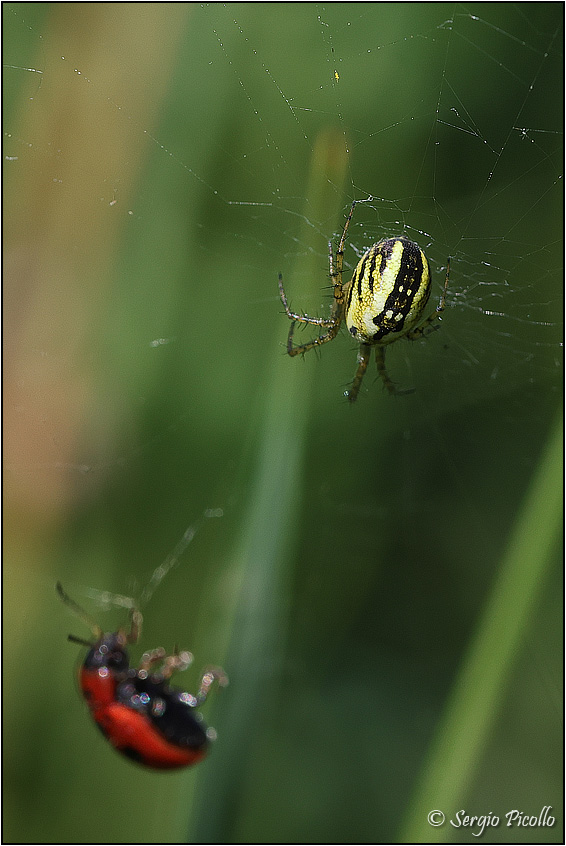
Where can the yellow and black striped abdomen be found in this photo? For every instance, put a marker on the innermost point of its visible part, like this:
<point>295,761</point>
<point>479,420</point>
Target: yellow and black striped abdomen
<point>388,292</point>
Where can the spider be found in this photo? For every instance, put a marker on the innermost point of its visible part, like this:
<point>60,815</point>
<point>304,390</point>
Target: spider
<point>384,301</point>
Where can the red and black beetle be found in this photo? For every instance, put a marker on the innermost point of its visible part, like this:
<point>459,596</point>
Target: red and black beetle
<point>138,711</point>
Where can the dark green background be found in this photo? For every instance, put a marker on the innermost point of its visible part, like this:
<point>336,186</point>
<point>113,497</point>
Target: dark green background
<point>394,515</point>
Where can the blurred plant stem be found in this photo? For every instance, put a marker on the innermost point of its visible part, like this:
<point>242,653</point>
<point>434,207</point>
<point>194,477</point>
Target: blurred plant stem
<point>257,625</point>
<point>477,693</point>
<point>61,242</point>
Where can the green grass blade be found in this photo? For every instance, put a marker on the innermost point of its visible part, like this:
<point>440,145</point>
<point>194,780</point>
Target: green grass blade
<point>257,624</point>
<point>480,687</point>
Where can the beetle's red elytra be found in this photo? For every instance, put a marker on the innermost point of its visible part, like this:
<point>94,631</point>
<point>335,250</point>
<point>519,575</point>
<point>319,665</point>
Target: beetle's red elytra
<point>138,711</point>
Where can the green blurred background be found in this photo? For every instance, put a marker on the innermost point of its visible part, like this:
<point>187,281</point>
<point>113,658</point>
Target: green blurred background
<point>384,588</point>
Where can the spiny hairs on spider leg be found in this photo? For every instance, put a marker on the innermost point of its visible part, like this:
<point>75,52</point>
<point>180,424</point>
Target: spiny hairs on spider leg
<point>384,301</point>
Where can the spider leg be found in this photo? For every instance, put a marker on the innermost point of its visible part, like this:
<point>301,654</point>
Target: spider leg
<point>363,361</point>
<point>382,370</point>
<point>303,348</point>
<point>331,323</point>
<point>340,250</point>
<point>301,318</point>
<point>421,330</point>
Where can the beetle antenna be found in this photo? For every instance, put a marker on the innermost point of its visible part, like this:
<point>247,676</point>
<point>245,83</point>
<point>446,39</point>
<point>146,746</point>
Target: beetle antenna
<point>78,612</point>
<point>80,640</point>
